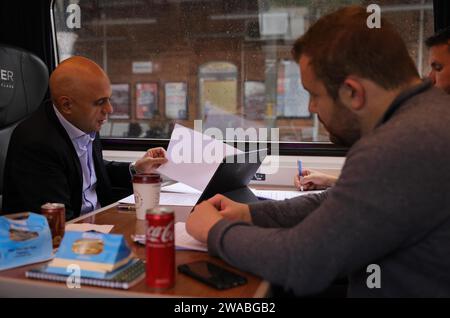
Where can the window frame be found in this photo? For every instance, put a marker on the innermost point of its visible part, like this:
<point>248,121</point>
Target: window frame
<point>324,149</point>
<point>285,148</point>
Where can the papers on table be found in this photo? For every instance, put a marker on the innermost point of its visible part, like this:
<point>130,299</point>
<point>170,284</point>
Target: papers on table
<point>193,157</point>
<point>185,241</point>
<point>169,198</point>
<point>183,195</point>
<point>180,188</point>
<point>182,239</point>
<point>281,195</point>
<point>128,200</point>
<point>181,199</point>
<point>84,227</point>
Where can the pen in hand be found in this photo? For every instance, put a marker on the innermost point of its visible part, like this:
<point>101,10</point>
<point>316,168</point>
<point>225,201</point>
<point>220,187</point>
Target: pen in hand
<point>299,162</point>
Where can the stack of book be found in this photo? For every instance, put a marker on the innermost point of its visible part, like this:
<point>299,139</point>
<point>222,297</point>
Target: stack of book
<point>93,259</point>
<point>122,278</point>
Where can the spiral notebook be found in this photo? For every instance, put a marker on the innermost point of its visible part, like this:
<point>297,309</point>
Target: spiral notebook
<point>122,278</point>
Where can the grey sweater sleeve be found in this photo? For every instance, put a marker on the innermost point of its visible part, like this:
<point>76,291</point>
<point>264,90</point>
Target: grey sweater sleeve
<point>364,217</point>
<point>285,213</point>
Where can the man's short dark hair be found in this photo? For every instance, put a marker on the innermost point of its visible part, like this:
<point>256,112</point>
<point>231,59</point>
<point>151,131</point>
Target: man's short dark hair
<point>441,37</point>
<point>341,44</point>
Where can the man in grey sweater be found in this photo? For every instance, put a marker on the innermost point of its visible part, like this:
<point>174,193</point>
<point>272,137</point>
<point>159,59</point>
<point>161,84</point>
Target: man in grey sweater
<point>386,223</point>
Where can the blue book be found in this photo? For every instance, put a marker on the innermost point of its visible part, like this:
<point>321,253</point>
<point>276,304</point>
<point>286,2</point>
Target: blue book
<point>122,278</point>
<point>96,254</point>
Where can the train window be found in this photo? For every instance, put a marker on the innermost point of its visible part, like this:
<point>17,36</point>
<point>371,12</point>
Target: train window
<point>218,95</point>
<point>225,62</point>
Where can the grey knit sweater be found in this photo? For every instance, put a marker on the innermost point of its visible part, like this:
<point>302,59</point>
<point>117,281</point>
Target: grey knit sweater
<point>390,207</point>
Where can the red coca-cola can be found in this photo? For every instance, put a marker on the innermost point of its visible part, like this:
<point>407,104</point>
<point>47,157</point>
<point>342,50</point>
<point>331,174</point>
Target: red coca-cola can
<point>56,218</point>
<point>160,248</point>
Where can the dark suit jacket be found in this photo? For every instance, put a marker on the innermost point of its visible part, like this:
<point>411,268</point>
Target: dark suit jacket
<point>42,166</point>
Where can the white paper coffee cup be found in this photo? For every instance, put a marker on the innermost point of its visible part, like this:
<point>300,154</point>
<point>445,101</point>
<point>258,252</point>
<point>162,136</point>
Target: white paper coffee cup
<point>147,189</point>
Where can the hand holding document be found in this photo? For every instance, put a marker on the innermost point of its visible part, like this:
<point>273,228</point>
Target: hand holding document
<point>194,157</point>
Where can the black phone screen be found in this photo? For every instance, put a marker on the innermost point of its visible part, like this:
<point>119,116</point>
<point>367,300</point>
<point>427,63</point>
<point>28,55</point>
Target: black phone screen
<point>212,275</point>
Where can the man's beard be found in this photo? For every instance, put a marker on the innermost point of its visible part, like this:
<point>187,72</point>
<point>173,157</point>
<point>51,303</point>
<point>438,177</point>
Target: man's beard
<point>346,141</point>
<point>447,89</point>
<point>344,129</point>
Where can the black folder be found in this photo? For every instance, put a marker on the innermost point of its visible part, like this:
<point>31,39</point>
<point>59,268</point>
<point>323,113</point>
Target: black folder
<point>233,175</point>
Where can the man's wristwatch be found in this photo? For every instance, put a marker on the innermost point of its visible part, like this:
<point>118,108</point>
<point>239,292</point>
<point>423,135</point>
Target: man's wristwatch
<point>132,168</point>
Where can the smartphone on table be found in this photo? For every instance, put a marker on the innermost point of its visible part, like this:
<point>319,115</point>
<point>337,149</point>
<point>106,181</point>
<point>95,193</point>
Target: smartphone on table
<point>212,274</point>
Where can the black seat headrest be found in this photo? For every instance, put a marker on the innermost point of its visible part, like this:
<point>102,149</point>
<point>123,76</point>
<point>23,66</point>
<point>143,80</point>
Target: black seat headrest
<point>23,84</point>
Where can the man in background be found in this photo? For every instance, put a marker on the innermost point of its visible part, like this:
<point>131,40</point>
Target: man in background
<point>56,156</point>
<point>439,45</point>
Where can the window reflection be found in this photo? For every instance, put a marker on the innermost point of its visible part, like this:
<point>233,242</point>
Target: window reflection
<point>225,62</point>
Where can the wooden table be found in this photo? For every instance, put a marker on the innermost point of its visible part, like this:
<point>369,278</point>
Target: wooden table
<point>13,283</point>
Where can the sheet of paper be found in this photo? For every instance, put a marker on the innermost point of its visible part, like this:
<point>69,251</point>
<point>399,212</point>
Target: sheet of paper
<point>281,195</point>
<point>185,241</point>
<point>84,227</point>
<point>182,199</point>
<point>182,239</point>
<point>128,200</point>
<point>180,188</point>
<point>169,198</point>
<point>193,157</point>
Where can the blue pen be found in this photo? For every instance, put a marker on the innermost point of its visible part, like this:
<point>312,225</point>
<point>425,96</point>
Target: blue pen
<point>299,162</point>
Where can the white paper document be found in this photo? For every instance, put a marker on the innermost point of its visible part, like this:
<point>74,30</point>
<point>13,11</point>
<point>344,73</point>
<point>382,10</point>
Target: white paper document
<point>169,198</point>
<point>182,199</point>
<point>84,227</point>
<point>189,199</point>
<point>281,195</point>
<point>180,188</point>
<point>183,240</point>
<point>193,157</point>
<point>128,200</point>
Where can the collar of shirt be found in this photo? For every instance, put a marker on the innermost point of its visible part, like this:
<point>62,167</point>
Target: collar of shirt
<point>78,137</point>
<point>400,100</point>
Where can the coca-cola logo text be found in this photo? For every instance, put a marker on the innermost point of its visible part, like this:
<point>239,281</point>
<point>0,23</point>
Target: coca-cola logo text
<point>157,234</point>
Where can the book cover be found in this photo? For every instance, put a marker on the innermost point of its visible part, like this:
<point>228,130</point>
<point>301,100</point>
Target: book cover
<point>122,278</point>
<point>96,254</point>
